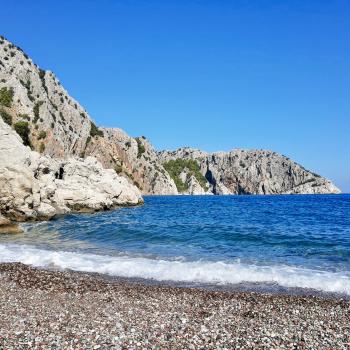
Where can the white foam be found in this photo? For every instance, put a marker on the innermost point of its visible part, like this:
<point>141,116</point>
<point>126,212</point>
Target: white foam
<point>181,271</point>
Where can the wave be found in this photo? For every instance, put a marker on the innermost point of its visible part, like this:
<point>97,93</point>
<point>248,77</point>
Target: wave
<point>177,270</point>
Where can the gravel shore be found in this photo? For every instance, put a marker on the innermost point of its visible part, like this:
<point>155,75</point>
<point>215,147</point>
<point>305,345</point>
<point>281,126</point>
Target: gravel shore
<point>44,309</point>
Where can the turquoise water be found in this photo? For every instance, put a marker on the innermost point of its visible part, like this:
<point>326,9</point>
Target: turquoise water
<point>291,241</point>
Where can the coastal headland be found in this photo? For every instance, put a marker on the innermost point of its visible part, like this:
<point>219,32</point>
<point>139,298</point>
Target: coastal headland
<point>54,159</point>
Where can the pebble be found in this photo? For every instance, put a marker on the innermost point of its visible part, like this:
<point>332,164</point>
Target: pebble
<point>48,309</point>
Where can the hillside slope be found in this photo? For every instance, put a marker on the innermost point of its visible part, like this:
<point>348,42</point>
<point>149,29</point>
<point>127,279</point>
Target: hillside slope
<point>57,125</point>
<point>35,104</point>
<point>249,172</point>
<point>38,187</point>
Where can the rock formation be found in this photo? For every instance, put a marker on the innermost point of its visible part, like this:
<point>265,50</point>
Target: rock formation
<point>251,172</point>
<point>134,158</point>
<point>37,187</point>
<point>59,129</point>
<point>58,126</point>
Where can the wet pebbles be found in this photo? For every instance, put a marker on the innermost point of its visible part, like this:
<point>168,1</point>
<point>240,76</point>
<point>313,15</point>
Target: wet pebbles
<point>44,309</point>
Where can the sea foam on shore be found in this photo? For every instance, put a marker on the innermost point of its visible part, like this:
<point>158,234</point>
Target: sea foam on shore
<point>178,270</point>
<point>43,309</point>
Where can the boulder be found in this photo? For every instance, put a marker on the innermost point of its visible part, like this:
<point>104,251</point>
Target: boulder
<point>37,187</point>
<point>7,226</point>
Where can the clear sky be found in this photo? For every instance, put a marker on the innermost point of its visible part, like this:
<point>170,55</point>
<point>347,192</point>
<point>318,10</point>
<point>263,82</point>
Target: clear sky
<point>214,75</point>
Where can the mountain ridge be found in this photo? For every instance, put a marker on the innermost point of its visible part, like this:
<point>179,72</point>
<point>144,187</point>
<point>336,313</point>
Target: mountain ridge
<point>251,171</point>
<point>56,125</point>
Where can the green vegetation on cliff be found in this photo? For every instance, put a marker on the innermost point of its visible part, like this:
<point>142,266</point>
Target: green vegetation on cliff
<point>140,148</point>
<point>6,117</point>
<point>6,96</point>
<point>176,167</point>
<point>22,130</point>
<point>36,111</point>
<point>95,131</point>
<point>42,135</point>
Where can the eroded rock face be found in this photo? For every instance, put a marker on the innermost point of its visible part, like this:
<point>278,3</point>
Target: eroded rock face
<point>40,100</point>
<point>33,186</point>
<point>85,184</point>
<point>60,127</point>
<point>194,187</point>
<point>133,158</point>
<point>253,172</point>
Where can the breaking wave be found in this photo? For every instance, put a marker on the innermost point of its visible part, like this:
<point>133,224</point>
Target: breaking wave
<point>178,270</point>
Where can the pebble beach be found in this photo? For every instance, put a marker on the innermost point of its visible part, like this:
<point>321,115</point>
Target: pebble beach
<point>49,309</point>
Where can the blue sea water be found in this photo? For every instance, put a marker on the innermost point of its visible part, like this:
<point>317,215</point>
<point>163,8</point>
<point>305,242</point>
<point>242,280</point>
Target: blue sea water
<point>289,241</point>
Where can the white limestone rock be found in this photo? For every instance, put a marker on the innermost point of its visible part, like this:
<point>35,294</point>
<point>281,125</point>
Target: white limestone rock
<point>34,187</point>
<point>60,127</point>
<point>253,172</point>
<point>194,186</point>
<point>135,159</point>
<point>85,184</point>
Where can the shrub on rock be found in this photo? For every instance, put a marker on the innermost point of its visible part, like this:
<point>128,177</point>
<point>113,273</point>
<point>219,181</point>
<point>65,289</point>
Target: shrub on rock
<point>6,117</point>
<point>22,129</point>
<point>6,96</point>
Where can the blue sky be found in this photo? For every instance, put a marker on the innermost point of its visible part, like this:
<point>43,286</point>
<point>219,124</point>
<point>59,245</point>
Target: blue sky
<point>208,74</point>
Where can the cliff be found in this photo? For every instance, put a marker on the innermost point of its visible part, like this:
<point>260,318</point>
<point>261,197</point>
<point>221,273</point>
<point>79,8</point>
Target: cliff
<point>38,108</point>
<point>43,137</point>
<point>58,126</point>
<point>38,187</point>
<point>133,158</point>
<point>246,172</point>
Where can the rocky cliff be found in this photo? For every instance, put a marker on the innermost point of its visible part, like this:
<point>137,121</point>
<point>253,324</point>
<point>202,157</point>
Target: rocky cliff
<point>244,172</point>
<point>55,124</point>
<point>34,186</point>
<point>133,158</point>
<point>44,133</point>
<point>38,187</point>
<point>52,123</point>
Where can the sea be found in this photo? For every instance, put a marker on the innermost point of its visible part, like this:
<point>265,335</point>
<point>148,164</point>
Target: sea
<point>278,243</point>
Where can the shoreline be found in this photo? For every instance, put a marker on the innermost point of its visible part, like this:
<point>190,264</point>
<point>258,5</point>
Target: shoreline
<point>66,309</point>
<point>267,288</point>
<point>116,268</point>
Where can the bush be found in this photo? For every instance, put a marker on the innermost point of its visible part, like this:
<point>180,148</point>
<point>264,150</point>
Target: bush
<point>6,117</point>
<point>42,78</point>
<point>22,130</point>
<point>41,74</point>
<point>42,135</point>
<point>140,148</point>
<point>36,111</point>
<point>42,148</point>
<point>95,131</point>
<point>6,96</point>
<point>118,168</point>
